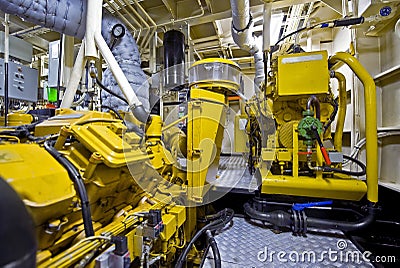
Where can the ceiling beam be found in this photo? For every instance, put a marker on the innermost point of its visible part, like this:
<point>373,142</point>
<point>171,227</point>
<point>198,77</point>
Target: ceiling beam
<point>38,42</point>
<point>335,5</point>
<point>171,6</point>
<point>285,3</point>
<point>204,39</point>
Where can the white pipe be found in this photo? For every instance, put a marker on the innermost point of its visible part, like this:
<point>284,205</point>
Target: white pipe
<point>75,78</point>
<point>151,21</point>
<point>242,33</point>
<point>259,67</point>
<point>93,25</point>
<point>267,26</point>
<point>117,71</point>
<point>240,14</point>
<point>134,103</point>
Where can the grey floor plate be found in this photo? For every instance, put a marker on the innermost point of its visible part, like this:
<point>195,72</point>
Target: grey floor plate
<point>248,245</point>
<point>233,174</point>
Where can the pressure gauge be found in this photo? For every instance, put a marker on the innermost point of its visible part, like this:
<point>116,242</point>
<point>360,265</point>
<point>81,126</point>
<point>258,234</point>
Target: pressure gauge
<point>118,31</point>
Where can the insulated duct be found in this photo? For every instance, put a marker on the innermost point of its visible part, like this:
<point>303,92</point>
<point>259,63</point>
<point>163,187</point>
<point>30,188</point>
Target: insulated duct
<point>69,17</point>
<point>242,33</point>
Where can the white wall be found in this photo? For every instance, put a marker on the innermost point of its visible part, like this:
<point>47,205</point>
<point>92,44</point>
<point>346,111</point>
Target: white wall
<point>390,103</point>
<point>379,54</point>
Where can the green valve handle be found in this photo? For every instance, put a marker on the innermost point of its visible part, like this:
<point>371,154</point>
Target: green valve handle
<point>306,125</point>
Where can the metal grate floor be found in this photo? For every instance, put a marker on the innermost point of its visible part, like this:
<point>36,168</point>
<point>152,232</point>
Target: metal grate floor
<point>244,244</point>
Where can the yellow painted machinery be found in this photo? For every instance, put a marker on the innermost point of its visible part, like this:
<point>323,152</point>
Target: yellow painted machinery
<point>101,194</point>
<point>87,184</point>
<point>301,158</point>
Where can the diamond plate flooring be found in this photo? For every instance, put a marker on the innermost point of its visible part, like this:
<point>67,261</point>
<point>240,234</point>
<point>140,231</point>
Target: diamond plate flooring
<point>247,245</point>
<point>233,174</point>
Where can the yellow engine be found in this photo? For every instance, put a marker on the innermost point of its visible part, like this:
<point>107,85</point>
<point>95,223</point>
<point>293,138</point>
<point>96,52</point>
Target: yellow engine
<point>104,193</point>
<point>85,181</point>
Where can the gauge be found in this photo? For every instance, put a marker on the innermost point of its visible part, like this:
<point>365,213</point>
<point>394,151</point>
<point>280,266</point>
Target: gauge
<point>118,30</point>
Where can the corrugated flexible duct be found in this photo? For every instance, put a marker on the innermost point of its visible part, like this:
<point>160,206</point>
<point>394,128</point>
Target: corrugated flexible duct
<point>69,17</point>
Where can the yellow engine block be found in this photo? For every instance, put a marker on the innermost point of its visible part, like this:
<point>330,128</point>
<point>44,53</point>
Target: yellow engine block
<point>112,162</point>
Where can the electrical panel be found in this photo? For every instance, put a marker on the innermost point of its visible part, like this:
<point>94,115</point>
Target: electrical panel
<point>303,74</point>
<point>54,62</point>
<point>22,82</point>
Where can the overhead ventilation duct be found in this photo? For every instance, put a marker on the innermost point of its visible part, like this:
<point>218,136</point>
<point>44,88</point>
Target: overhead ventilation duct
<point>242,33</point>
<point>174,59</point>
<point>69,17</point>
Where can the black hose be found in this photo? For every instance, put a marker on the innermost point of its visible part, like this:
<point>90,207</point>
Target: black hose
<point>76,178</point>
<point>278,217</point>
<point>114,111</point>
<point>342,225</point>
<point>203,258</point>
<point>214,248</point>
<point>215,216</point>
<point>292,33</point>
<point>138,110</point>
<point>347,172</point>
<point>109,91</point>
<point>285,219</point>
<point>313,101</point>
<point>182,257</point>
<point>335,23</point>
<point>212,226</point>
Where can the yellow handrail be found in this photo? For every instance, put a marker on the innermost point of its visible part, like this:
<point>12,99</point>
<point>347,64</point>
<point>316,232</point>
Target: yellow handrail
<point>370,120</point>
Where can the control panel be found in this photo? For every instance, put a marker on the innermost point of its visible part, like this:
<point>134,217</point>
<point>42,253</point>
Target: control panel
<point>22,82</point>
